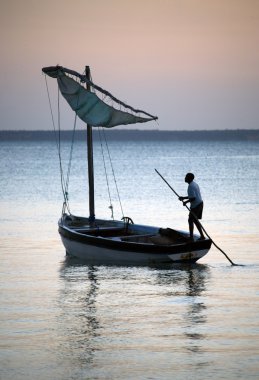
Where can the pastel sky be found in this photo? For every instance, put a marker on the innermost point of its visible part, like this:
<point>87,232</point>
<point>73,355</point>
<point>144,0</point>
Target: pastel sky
<point>194,63</point>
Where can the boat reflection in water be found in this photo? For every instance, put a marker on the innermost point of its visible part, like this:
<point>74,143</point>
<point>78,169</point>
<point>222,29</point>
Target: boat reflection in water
<point>117,315</point>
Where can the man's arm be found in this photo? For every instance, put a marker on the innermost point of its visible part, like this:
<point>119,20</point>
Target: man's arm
<point>182,198</point>
<point>187,200</point>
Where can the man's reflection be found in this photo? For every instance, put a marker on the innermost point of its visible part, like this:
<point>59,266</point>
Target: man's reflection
<point>186,287</point>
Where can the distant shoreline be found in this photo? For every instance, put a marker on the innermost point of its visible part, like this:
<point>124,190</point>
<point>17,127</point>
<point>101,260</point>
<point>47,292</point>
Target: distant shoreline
<point>137,135</point>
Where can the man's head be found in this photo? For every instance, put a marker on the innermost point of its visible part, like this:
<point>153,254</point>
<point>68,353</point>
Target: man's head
<point>189,177</point>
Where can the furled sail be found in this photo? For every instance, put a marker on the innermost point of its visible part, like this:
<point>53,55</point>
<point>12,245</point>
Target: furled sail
<point>88,106</point>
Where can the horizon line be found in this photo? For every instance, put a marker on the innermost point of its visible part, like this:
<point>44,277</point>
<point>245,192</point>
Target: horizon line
<point>134,129</point>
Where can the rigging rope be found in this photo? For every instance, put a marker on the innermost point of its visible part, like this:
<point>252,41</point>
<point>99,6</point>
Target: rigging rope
<point>106,176</point>
<point>71,154</point>
<point>114,177</point>
<point>65,194</point>
<point>64,184</point>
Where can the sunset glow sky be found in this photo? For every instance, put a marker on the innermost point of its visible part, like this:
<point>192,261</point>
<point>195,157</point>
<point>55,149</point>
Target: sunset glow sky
<point>193,63</point>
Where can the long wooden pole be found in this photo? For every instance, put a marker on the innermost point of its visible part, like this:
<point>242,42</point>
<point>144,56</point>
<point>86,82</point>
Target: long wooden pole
<point>90,160</point>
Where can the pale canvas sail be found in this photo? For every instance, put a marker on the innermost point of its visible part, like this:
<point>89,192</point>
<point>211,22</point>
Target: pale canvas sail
<point>90,108</point>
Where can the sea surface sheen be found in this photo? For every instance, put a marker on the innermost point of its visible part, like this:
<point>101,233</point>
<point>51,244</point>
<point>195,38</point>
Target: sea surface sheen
<point>61,319</point>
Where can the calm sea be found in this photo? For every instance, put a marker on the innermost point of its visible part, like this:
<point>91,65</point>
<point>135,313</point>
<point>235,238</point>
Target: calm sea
<point>63,320</point>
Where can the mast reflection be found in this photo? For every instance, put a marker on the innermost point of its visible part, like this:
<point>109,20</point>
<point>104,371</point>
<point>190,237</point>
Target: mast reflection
<point>80,325</point>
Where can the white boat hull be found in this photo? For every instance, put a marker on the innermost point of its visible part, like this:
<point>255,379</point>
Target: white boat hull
<point>100,255</point>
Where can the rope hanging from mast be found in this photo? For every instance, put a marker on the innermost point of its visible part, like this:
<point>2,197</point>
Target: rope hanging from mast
<point>57,134</point>
<point>112,168</point>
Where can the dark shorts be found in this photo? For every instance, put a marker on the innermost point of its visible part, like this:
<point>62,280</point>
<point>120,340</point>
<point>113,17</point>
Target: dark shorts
<point>197,211</point>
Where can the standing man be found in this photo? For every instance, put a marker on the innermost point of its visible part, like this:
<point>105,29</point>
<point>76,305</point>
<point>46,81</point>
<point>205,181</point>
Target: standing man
<point>195,199</point>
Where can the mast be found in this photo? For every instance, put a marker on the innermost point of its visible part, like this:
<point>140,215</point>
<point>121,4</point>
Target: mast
<point>90,160</point>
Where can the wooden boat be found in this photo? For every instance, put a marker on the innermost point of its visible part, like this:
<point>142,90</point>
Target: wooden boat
<point>100,241</point>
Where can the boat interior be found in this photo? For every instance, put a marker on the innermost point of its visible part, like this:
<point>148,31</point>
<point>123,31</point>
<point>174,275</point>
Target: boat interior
<point>161,236</point>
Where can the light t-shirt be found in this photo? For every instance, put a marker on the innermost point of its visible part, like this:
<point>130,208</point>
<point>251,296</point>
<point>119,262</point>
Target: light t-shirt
<point>194,192</point>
